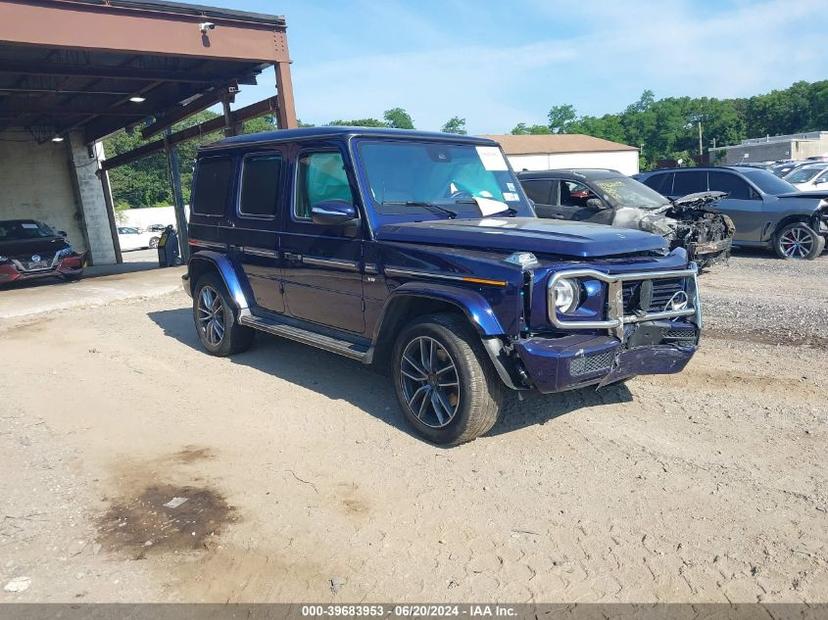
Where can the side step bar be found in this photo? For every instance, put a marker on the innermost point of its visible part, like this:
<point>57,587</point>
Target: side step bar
<point>326,343</point>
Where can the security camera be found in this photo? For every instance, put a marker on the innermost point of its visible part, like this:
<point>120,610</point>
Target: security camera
<point>205,26</point>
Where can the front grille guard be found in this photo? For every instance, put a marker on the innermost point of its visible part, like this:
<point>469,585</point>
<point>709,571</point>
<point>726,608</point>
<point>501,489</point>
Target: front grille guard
<point>616,319</point>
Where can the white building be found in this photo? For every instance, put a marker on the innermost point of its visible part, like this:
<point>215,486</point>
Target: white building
<point>555,151</point>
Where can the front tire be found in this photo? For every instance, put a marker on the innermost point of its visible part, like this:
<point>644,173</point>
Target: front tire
<point>215,319</point>
<point>445,384</point>
<point>798,241</point>
<point>154,242</point>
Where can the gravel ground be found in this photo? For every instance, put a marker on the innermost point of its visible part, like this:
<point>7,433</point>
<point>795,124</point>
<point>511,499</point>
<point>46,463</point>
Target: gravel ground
<point>302,483</point>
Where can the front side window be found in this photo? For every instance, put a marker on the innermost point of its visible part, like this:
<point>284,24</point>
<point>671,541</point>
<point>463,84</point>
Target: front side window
<point>213,180</point>
<point>261,179</point>
<point>729,183</point>
<point>689,183</point>
<point>768,182</point>
<point>408,177</point>
<point>575,194</point>
<point>320,177</point>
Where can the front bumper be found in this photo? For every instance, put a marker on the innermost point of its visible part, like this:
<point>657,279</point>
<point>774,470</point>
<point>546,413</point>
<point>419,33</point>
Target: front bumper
<point>579,360</point>
<point>71,266</point>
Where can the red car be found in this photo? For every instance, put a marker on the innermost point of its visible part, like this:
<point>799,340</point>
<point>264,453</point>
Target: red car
<point>31,249</point>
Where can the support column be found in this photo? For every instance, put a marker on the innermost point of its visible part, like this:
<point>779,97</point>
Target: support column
<point>85,161</point>
<point>286,114</point>
<point>173,167</point>
<point>110,211</point>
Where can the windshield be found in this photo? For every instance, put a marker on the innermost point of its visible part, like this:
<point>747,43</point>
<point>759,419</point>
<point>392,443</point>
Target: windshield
<point>803,175</point>
<point>406,177</point>
<point>627,192</point>
<point>21,230</point>
<point>768,182</point>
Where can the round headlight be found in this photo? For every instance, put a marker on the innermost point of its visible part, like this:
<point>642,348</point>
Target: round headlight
<point>566,295</point>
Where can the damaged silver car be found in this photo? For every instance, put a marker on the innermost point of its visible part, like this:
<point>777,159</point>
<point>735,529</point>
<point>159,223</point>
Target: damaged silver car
<point>609,197</point>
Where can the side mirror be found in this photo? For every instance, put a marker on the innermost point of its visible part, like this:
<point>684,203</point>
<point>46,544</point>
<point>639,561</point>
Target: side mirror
<point>595,203</point>
<point>62,233</point>
<point>333,213</point>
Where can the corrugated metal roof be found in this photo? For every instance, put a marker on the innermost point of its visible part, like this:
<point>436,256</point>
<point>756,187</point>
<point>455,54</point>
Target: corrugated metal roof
<point>556,143</point>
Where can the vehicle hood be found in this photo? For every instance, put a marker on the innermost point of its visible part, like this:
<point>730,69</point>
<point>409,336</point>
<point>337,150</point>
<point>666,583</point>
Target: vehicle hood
<point>525,234</point>
<point>28,247</point>
<point>815,194</point>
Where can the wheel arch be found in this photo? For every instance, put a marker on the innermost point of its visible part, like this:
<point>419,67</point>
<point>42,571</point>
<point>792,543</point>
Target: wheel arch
<point>806,218</point>
<point>207,261</point>
<point>411,300</point>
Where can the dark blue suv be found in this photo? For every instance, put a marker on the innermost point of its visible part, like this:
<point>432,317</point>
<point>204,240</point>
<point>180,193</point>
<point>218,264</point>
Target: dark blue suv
<point>419,252</point>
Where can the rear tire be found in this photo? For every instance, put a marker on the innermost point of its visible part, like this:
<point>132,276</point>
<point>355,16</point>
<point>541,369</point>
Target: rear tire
<point>798,241</point>
<point>215,318</point>
<point>445,383</point>
<point>154,243</point>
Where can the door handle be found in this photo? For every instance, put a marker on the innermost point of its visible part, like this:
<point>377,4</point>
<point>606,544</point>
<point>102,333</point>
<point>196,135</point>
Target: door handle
<point>293,257</point>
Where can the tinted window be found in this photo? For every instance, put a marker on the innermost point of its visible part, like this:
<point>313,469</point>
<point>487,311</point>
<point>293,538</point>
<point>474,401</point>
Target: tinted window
<point>689,183</point>
<point>730,183</point>
<point>261,176</point>
<point>538,190</point>
<point>662,183</point>
<point>823,177</point>
<point>321,176</point>
<point>213,180</point>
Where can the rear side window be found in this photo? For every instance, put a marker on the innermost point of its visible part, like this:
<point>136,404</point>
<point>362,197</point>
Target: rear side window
<point>261,179</point>
<point>730,183</point>
<point>213,180</point>
<point>689,183</point>
<point>538,190</point>
<point>320,177</point>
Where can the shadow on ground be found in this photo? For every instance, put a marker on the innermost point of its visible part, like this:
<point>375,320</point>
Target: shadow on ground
<point>366,387</point>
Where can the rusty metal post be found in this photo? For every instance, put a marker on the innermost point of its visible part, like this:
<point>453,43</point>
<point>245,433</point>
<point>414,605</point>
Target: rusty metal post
<point>173,166</point>
<point>229,127</point>
<point>286,114</point>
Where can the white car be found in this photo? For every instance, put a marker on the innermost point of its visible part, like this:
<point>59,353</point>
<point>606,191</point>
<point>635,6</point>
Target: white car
<point>132,238</point>
<point>809,178</point>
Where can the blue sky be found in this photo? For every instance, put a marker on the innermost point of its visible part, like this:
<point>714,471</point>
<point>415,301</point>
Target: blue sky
<point>500,63</point>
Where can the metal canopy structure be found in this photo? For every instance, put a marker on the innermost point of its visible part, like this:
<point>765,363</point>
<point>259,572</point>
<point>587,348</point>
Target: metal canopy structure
<point>92,67</point>
<point>101,65</point>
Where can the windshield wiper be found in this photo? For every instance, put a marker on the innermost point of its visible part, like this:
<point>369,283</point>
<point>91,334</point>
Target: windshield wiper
<point>421,203</point>
<point>472,201</point>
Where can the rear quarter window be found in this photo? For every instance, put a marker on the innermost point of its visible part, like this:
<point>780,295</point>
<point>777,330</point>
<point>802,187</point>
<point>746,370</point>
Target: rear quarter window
<point>212,184</point>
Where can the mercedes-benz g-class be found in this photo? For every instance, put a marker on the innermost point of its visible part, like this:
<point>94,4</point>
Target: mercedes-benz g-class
<point>420,252</point>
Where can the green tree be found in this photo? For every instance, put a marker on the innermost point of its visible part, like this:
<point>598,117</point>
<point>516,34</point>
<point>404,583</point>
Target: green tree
<point>455,125</point>
<point>522,129</point>
<point>398,118</point>
<point>561,117</point>
<point>359,122</point>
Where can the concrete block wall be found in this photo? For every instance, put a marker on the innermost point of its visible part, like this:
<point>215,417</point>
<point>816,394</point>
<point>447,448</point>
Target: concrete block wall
<point>35,184</point>
<point>95,215</point>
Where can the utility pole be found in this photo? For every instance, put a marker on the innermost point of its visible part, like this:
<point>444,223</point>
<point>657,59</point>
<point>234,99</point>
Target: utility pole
<point>701,148</point>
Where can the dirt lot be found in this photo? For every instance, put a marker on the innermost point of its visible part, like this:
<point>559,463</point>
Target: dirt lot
<point>302,483</point>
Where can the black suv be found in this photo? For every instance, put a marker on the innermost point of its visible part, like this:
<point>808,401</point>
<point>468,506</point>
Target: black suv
<point>420,252</point>
<point>768,212</point>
